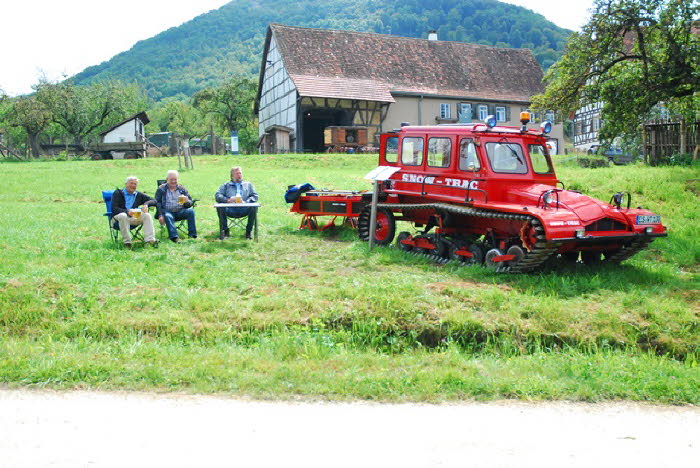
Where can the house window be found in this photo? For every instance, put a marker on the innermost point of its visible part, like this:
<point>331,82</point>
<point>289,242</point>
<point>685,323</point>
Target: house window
<point>412,151</point>
<point>596,125</point>
<point>549,116</point>
<point>445,111</point>
<point>500,114</point>
<point>439,150</point>
<point>465,112</point>
<point>483,112</point>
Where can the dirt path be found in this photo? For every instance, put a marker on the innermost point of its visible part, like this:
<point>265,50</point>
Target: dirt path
<point>89,429</point>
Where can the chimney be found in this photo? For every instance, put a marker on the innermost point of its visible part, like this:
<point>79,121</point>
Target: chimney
<point>432,35</point>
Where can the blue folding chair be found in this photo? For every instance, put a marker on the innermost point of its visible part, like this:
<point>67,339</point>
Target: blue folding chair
<point>114,231</point>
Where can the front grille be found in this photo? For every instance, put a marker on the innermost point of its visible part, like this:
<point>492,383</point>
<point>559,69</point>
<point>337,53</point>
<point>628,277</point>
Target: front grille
<point>606,224</point>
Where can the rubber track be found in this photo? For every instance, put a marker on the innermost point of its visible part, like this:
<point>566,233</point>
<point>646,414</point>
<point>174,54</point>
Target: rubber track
<point>532,261</point>
<point>627,251</point>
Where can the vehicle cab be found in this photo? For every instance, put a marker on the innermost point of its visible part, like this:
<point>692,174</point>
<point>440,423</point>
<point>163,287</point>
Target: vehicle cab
<point>478,163</point>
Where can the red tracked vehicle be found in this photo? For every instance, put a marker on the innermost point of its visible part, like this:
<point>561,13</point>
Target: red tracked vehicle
<point>479,193</point>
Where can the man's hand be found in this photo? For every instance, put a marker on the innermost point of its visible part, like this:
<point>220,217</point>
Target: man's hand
<point>161,220</point>
<point>231,200</point>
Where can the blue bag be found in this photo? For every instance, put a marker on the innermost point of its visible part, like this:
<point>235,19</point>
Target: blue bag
<point>294,191</point>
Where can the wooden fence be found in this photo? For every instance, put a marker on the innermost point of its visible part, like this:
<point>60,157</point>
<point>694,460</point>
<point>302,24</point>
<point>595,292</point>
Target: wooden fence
<point>664,139</point>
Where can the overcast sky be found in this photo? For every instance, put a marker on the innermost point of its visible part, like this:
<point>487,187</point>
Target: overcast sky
<point>56,38</point>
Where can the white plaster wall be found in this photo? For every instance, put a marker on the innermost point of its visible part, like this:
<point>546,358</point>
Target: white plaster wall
<point>127,132</point>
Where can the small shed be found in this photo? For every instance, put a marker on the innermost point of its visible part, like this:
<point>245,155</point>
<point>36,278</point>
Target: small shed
<point>276,139</point>
<point>127,131</point>
<point>126,139</point>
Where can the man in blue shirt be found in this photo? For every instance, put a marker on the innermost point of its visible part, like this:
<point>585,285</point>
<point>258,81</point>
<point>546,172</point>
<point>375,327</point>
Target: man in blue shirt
<point>130,208</point>
<point>237,190</point>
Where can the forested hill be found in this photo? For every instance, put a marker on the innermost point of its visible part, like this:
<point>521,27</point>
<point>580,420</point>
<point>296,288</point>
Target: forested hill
<point>215,45</point>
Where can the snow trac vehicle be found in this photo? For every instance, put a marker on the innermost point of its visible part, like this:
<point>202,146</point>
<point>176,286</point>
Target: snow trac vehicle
<point>481,193</point>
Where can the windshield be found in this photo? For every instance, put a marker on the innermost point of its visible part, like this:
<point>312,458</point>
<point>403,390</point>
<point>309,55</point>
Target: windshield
<point>506,158</point>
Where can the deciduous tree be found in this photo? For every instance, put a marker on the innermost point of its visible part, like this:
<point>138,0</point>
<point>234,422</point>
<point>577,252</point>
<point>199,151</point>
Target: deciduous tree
<point>84,110</point>
<point>231,104</point>
<point>630,56</point>
<point>33,116</point>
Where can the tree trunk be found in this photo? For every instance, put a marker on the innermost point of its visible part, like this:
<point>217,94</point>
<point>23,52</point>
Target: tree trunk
<point>34,145</point>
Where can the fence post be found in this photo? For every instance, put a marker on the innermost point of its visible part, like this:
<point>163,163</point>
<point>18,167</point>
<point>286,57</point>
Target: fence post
<point>683,137</point>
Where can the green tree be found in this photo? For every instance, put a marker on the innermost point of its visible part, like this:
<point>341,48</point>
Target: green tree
<point>231,104</point>
<point>32,116</point>
<point>84,110</point>
<point>182,118</point>
<point>630,56</point>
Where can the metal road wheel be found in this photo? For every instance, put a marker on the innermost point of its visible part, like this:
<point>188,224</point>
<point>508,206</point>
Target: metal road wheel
<point>476,250</point>
<point>455,256</point>
<point>518,252</point>
<point>402,236</point>
<point>440,249</point>
<point>478,254</point>
<point>488,259</point>
<point>384,229</point>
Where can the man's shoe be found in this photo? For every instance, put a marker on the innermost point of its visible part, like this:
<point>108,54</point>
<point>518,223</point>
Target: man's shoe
<point>153,243</point>
<point>193,237</point>
<point>248,237</point>
<point>175,239</point>
<point>128,245</point>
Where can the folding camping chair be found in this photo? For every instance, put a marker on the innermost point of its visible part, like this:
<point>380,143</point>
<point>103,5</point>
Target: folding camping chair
<point>180,225</point>
<point>237,222</point>
<point>114,231</point>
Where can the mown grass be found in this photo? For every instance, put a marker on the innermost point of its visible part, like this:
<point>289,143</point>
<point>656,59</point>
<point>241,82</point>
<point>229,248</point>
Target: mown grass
<point>316,315</point>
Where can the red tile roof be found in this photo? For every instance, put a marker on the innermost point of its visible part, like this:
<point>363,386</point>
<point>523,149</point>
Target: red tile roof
<point>366,66</point>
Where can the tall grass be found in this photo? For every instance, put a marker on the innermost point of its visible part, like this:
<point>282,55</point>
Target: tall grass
<point>316,314</point>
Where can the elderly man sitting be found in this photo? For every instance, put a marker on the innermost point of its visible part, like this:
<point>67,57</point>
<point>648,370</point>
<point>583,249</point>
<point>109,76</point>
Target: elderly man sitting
<point>175,204</point>
<point>237,190</point>
<point>130,208</point>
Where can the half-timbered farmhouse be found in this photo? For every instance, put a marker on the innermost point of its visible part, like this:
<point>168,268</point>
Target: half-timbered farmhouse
<point>312,79</point>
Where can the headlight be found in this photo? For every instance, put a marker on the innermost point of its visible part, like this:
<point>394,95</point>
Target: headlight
<point>649,230</point>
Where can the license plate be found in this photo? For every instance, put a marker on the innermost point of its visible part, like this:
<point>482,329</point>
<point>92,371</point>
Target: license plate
<point>648,219</point>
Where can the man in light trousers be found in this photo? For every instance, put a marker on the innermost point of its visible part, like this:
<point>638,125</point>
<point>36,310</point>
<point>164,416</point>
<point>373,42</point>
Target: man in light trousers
<point>130,208</point>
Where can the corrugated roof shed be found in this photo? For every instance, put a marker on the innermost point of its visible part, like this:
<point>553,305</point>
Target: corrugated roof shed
<point>352,65</point>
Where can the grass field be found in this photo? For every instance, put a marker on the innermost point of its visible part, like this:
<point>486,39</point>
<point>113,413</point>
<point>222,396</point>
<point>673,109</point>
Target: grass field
<point>316,315</point>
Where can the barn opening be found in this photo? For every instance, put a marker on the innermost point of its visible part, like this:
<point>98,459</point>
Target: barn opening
<point>316,119</point>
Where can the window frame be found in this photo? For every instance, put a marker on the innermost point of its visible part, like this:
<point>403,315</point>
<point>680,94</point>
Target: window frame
<point>502,110</point>
<point>445,111</point>
<point>449,153</point>
<point>491,157</point>
<point>477,168</point>
<point>386,147</point>
<point>422,151</point>
<point>545,155</point>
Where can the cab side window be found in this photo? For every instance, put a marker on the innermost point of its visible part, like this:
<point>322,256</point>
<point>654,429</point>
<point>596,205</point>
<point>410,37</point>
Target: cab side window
<point>391,152</point>
<point>439,150</point>
<point>468,160</point>
<point>539,159</point>
<point>412,151</point>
